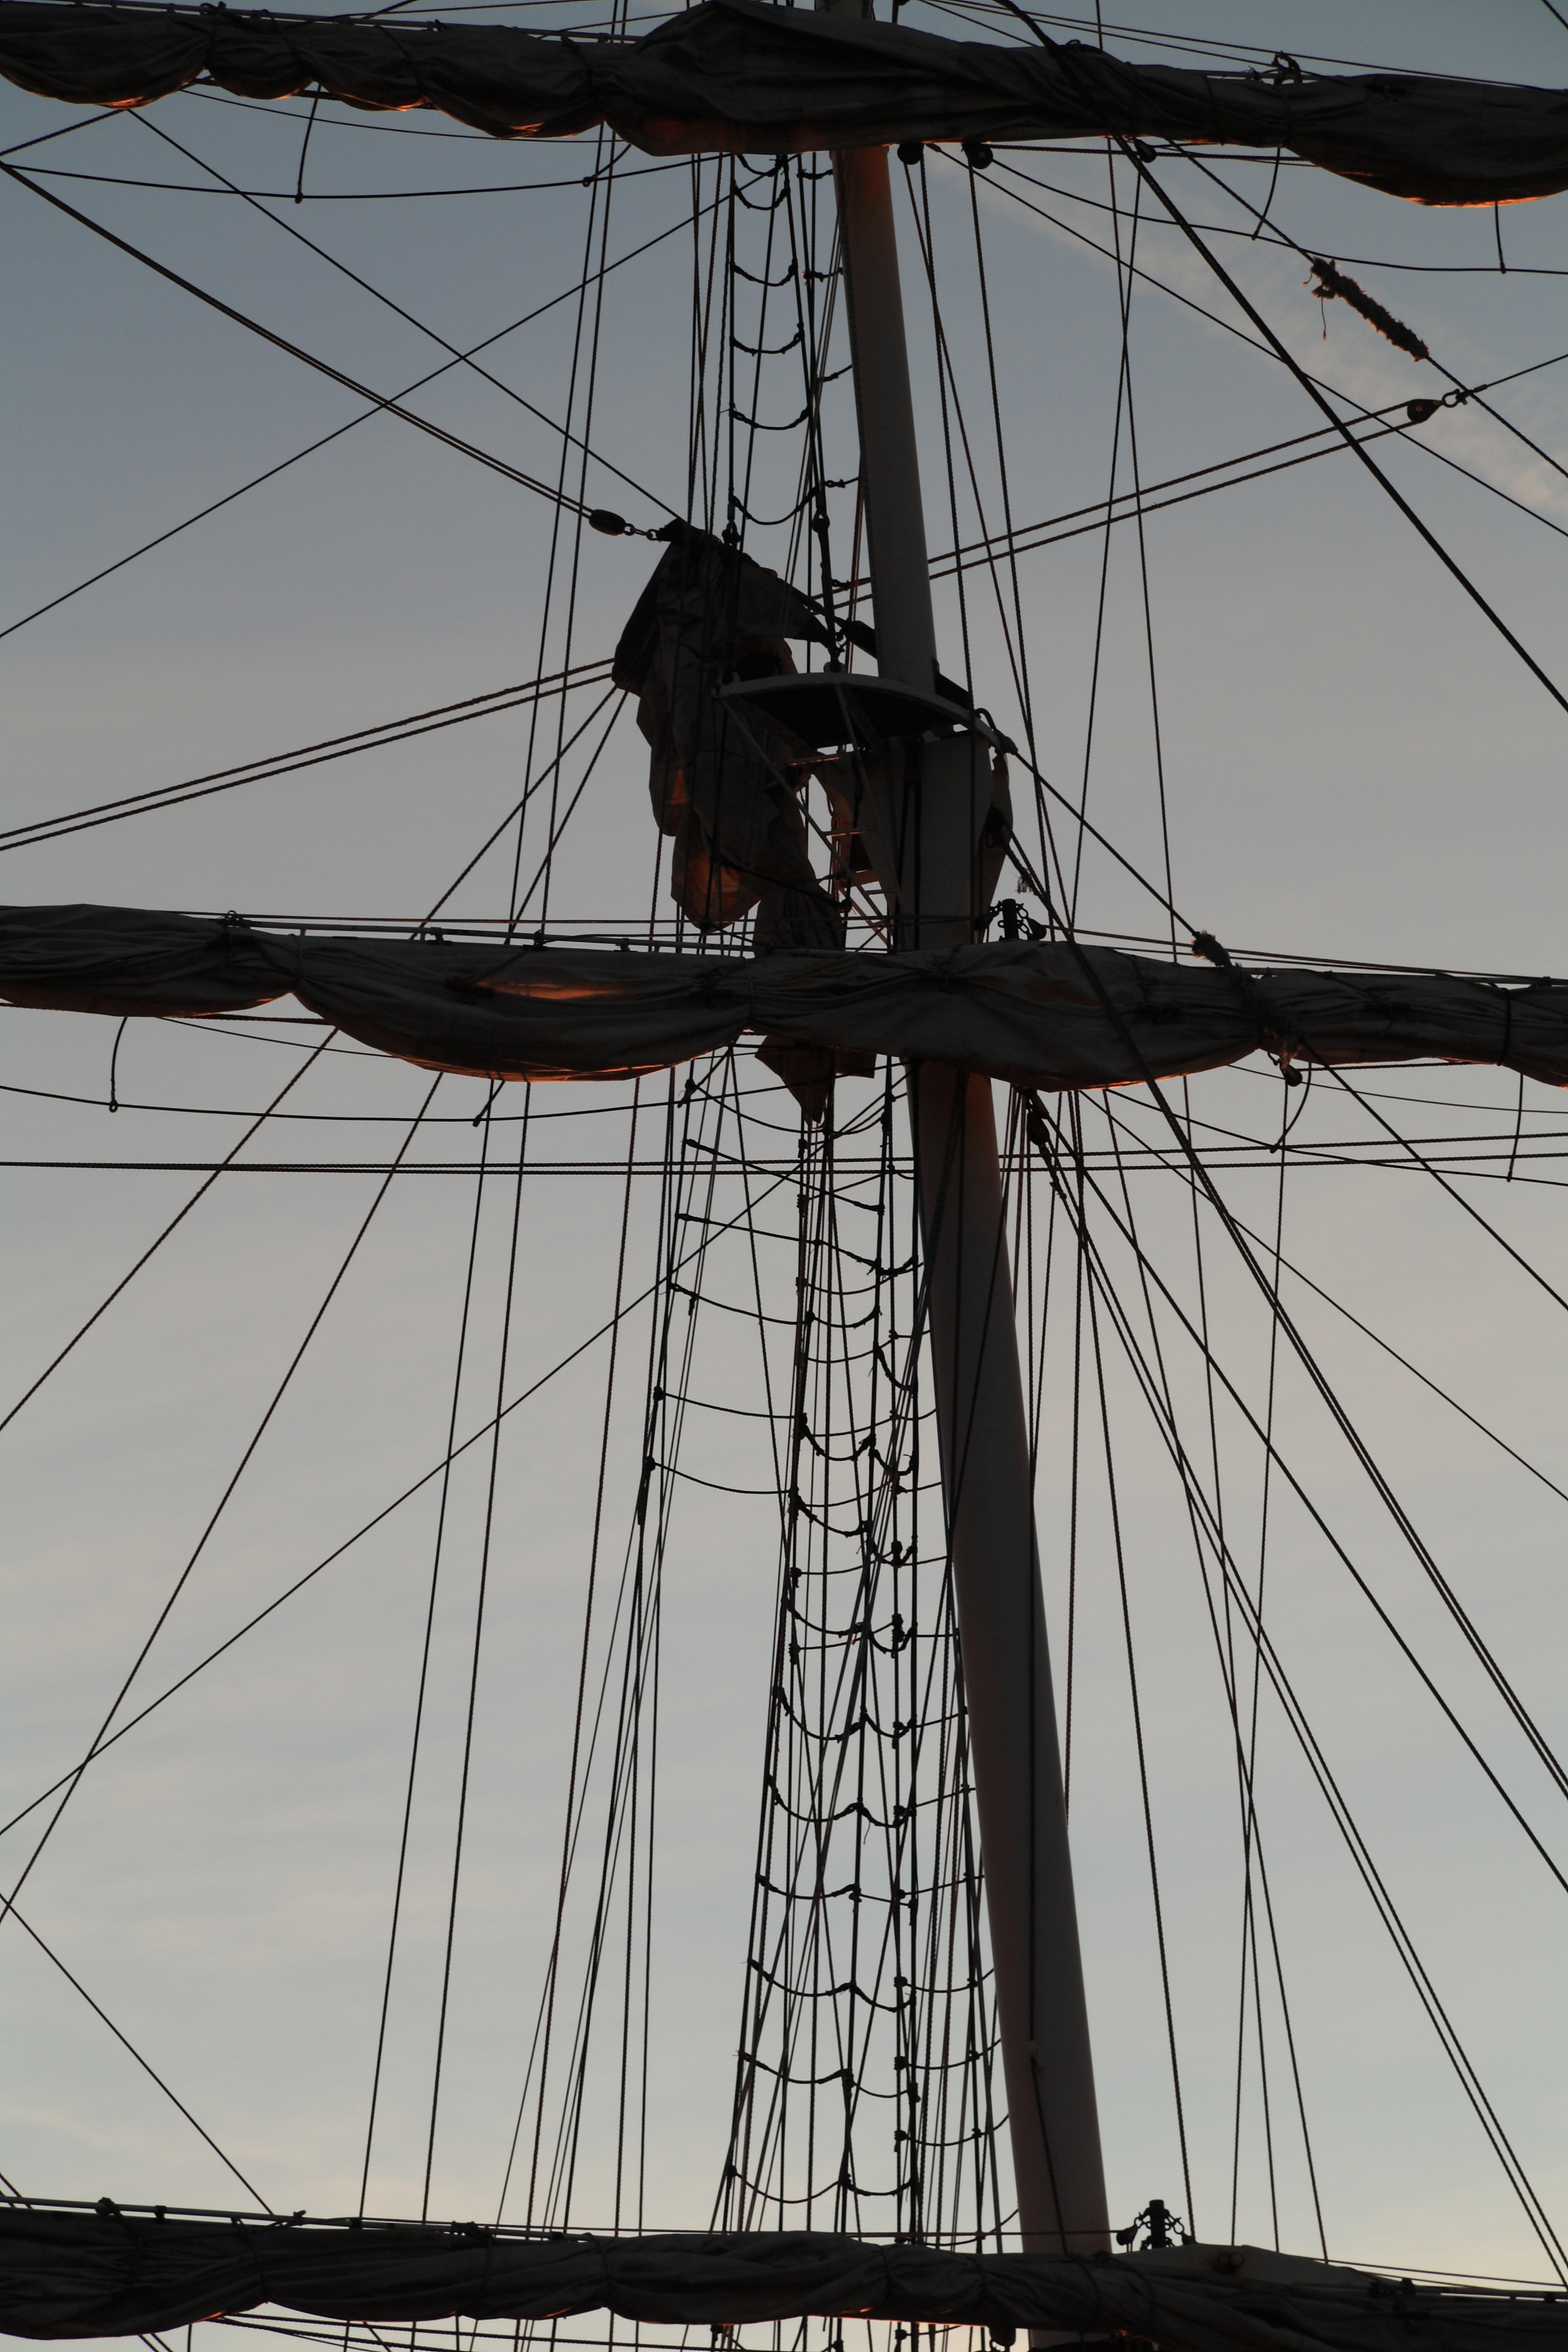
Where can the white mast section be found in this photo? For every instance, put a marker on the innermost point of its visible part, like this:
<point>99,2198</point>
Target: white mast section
<point>924,838</point>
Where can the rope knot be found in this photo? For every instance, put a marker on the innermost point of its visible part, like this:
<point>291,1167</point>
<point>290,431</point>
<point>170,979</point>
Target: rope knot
<point>1275,1034</point>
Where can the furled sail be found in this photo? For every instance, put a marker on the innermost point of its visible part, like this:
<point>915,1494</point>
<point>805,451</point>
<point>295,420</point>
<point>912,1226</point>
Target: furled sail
<point>725,785</point>
<point>71,2274</point>
<point>741,76</point>
<point>1035,1013</point>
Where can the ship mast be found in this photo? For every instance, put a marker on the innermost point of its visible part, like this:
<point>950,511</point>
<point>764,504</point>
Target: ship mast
<point>924,838</point>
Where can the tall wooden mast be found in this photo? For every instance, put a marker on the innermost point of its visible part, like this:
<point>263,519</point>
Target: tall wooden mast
<point>930,806</point>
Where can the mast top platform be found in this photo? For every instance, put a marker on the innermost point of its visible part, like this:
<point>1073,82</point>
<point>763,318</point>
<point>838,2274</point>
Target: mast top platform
<point>854,707</point>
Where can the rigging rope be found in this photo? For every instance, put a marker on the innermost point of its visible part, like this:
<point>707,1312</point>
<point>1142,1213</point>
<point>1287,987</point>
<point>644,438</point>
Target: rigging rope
<point>130,2048</point>
<point>1308,1363</point>
<point>156,1244</point>
<point>481,1596</point>
<point>311,755</point>
<point>418,385</point>
<point>161,1619</point>
<point>1351,440</point>
<point>422,1690</point>
<point>366,1528</point>
<point>1042,1129</point>
<point>386,405</point>
<point>461,358</point>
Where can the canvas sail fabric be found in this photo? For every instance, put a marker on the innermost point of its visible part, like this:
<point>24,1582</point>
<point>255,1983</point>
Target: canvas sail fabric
<point>741,76</point>
<point>105,2274</point>
<point>720,783</point>
<point>1034,1014</point>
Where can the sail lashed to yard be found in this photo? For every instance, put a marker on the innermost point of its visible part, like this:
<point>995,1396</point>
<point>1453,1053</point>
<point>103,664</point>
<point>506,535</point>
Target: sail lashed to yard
<point>738,75</point>
<point>74,2274</point>
<point>1046,1013</point>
